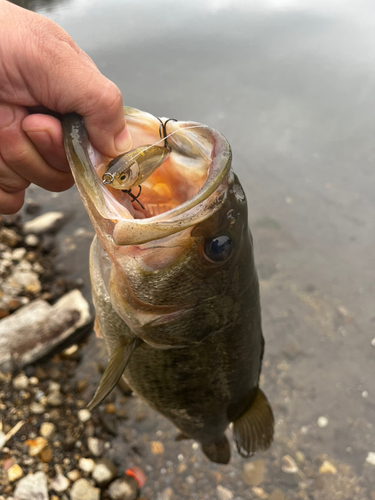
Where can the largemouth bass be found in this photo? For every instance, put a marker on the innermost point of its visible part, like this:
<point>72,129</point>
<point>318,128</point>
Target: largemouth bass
<point>175,286</point>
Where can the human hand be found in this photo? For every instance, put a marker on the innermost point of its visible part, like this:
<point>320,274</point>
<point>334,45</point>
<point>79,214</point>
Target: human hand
<point>42,69</point>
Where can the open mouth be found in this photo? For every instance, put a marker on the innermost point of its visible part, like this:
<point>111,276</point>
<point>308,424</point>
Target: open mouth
<point>184,190</point>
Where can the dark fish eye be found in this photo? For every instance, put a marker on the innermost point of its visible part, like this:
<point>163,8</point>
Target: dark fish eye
<point>218,249</point>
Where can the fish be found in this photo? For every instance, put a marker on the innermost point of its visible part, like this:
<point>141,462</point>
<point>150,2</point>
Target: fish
<point>175,287</point>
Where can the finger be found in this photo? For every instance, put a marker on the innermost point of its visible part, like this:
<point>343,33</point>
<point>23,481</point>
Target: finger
<point>10,203</point>
<point>22,157</point>
<point>45,132</point>
<point>10,181</point>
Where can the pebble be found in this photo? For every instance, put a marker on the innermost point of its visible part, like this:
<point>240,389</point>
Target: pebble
<point>60,482</point>
<point>288,465</point>
<point>86,464</point>
<point>322,422</point>
<point>277,495</point>
<point>259,492</point>
<point>223,493</point>
<point>166,494</point>
<point>95,446</point>
<point>104,472</point>
<point>36,445</point>
<point>157,447</point>
<point>54,386</point>
<point>300,457</point>
<point>327,468</point>
<point>47,429</point>
<point>31,240</point>
<point>73,475</point>
<point>14,473</point>
<point>9,237</point>
<point>20,382</point>
<point>46,455</point>
<point>18,253</point>
<point>84,415</point>
<point>45,223</point>
<point>370,459</point>
<point>83,490</point>
<point>37,408</point>
<point>125,488</point>
<point>253,472</point>
<point>3,440</point>
<point>32,487</point>
<point>55,399</point>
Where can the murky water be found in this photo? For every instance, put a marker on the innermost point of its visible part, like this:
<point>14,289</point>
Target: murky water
<point>292,86</point>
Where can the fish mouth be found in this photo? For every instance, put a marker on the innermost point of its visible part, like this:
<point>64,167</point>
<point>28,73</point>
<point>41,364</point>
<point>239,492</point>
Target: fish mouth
<point>186,189</point>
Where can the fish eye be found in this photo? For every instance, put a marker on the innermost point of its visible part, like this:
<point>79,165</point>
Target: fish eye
<point>218,249</point>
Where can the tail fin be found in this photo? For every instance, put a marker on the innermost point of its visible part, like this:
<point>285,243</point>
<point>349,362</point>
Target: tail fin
<point>218,452</point>
<point>253,431</point>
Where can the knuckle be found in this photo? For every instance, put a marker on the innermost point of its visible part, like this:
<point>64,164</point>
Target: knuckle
<point>110,96</point>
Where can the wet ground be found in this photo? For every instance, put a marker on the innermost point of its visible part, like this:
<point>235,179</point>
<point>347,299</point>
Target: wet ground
<point>293,89</point>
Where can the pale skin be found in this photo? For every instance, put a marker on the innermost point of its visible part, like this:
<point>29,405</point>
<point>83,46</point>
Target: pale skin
<point>43,70</point>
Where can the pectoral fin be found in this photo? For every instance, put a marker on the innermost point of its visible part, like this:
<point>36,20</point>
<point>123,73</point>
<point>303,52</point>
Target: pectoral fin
<point>115,368</point>
<point>254,429</point>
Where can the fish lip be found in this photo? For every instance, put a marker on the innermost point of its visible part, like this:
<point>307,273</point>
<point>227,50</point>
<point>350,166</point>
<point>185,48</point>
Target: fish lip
<point>100,203</point>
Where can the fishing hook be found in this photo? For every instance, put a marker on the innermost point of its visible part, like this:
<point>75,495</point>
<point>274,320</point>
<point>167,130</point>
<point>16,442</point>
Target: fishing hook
<point>134,198</point>
<point>163,127</point>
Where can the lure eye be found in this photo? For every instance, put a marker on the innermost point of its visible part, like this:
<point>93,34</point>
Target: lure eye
<point>123,177</point>
<point>218,249</point>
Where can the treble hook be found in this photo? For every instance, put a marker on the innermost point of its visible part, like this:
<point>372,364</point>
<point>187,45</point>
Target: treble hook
<point>163,126</point>
<point>134,198</point>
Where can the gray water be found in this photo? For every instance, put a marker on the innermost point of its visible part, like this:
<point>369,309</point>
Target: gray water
<point>292,86</point>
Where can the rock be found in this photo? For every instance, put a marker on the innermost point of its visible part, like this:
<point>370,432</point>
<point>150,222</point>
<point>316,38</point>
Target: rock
<point>9,237</point>
<point>60,482</point>
<point>125,488</point>
<point>28,280</point>
<point>223,493</point>
<point>45,223</point>
<point>259,492</point>
<point>36,445</point>
<point>47,429</point>
<point>37,408</point>
<point>288,465</point>
<point>84,415</point>
<point>86,464</point>
<point>166,494</point>
<point>14,473</point>
<point>46,455</point>
<point>370,459</point>
<point>300,457</point>
<point>83,490</point>
<point>253,472</point>
<point>18,253</point>
<point>32,487</point>
<point>104,472</point>
<point>37,328</point>
<point>327,468</point>
<point>157,447</point>
<point>55,399</point>
<point>95,446</point>
<point>20,382</point>
<point>277,495</point>
<point>322,422</point>
<point>31,240</point>
<point>74,475</point>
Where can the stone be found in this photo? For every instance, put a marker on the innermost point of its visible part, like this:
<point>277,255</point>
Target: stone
<point>157,447</point>
<point>86,464</point>
<point>95,446</point>
<point>9,237</point>
<point>60,483</point>
<point>84,415</point>
<point>277,495</point>
<point>37,328</point>
<point>73,475</point>
<point>28,280</point>
<point>45,223</point>
<point>322,422</point>
<point>223,493</point>
<point>36,445</point>
<point>259,492</point>
<point>47,429</point>
<point>253,472</point>
<point>327,468</point>
<point>125,488</point>
<point>370,459</point>
<point>32,487</point>
<point>166,494</point>
<point>288,465</point>
<point>104,472</point>
<point>55,399</point>
<point>46,455</point>
<point>31,240</point>
<point>20,382</point>
<point>37,408</point>
<point>14,473</point>
<point>83,490</point>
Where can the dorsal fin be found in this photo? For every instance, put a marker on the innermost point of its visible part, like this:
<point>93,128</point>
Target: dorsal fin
<point>253,431</point>
<point>115,368</point>
<point>218,452</point>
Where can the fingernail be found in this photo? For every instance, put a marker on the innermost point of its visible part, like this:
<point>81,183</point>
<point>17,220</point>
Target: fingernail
<point>7,115</point>
<point>123,142</point>
<point>40,138</point>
